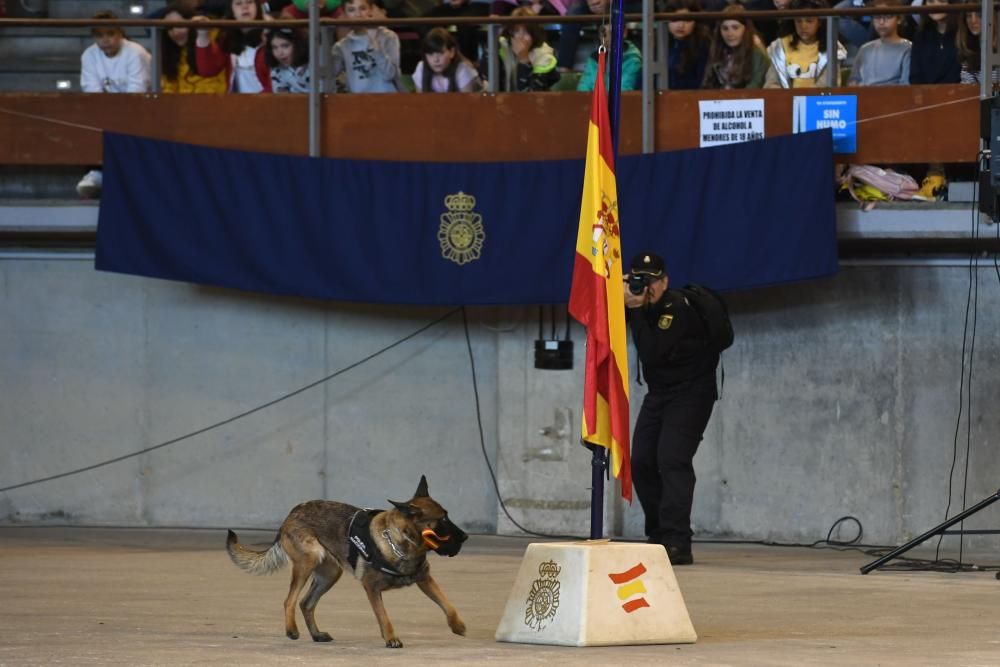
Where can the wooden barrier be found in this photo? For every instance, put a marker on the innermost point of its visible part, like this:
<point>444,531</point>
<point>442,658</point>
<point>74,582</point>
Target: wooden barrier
<point>900,124</point>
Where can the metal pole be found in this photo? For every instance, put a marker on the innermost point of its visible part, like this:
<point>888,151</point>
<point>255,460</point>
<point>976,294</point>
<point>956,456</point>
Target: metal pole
<point>930,533</point>
<point>986,56</point>
<point>600,454</point>
<point>832,64</point>
<point>663,56</point>
<point>492,69</point>
<point>155,45</point>
<point>648,109</point>
<point>326,84</point>
<point>615,77</point>
<point>314,97</point>
<point>598,463</point>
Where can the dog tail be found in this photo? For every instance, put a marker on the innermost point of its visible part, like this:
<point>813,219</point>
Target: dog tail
<point>256,562</point>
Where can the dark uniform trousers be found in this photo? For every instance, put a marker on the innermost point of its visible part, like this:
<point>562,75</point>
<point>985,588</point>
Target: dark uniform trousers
<point>667,434</point>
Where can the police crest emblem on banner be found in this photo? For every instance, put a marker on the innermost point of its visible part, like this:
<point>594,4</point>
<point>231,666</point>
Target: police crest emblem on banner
<point>461,232</point>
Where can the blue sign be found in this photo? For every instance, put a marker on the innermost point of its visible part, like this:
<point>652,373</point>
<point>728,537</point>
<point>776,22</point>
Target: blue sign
<point>839,113</point>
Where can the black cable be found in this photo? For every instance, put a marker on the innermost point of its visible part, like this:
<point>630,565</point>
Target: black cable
<point>482,439</point>
<point>240,415</point>
<point>968,393</point>
<point>828,543</point>
<point>909,564</point>
<point>961,379</point>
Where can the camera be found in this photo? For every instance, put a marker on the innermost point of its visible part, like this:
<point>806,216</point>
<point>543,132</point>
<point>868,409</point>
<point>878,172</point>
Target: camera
<point>637,283</point>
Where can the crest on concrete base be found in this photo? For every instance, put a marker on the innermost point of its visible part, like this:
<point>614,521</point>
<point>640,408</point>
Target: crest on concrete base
<point>595,593</point>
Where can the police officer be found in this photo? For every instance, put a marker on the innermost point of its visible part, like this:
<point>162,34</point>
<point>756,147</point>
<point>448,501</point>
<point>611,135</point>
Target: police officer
<point>679,369</point>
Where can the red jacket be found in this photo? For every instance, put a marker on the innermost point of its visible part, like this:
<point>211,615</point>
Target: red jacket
<point>212,60</point>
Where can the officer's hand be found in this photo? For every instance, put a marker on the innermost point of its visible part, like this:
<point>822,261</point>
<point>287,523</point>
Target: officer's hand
<point>635,300</point>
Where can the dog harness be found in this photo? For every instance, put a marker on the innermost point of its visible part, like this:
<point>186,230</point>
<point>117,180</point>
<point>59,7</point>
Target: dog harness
<point>359,536</point>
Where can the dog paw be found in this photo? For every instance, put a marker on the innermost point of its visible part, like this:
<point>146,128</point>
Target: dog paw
<point>292,634</point>
<point>322,637</point>
<point>457,626</point>
<point>393,643</point>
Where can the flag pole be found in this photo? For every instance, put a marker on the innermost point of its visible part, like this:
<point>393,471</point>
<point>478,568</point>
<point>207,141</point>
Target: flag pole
<point>599,467</point>
<point>615,75</point>
<point>599,455</point>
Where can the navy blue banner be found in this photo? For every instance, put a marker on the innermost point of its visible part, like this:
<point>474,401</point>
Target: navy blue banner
<point>732,217</point>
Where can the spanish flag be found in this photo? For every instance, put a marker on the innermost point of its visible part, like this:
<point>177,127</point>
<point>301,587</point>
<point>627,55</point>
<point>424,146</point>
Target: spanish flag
<point>597,297</point>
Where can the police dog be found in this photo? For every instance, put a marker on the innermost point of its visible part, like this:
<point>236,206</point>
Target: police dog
<point>383,549</point>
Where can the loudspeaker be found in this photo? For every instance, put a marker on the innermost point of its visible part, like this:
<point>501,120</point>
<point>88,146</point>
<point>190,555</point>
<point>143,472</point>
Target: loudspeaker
<point>987,195</point>
<point>985,107</point>
<point>554,355</point>
<point>989,177</point>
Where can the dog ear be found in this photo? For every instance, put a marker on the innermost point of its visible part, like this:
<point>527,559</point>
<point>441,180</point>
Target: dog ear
<point>422,488</point>
<point>407,509</point>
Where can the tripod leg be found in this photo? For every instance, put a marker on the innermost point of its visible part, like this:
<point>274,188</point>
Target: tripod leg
<point>875,564</point>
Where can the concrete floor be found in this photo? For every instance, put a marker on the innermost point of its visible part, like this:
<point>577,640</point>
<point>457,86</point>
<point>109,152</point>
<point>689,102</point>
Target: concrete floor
<point>170,597</point>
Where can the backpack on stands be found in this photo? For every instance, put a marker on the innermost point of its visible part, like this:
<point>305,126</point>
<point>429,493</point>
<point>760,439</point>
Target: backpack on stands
<point>714,313</point>
<point>868,184</point>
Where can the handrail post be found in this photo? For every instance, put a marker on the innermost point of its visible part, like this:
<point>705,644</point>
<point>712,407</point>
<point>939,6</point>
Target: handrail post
<point>832,63</point>
<point>986,55</point>
<point>647,76</point>
<point>325,48</point>
<point>662,55</point>
<point>492,69</point>
<point>156,66</point>
<point>314,97</point>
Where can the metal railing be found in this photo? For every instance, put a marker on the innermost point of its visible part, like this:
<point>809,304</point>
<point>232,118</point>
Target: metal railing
<point>655,66</point>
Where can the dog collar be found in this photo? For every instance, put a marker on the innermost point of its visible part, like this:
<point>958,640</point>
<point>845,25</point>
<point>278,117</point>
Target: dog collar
<point>392,545</point>
<point>359,538</point>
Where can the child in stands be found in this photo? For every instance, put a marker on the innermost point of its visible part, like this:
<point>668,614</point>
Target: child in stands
<point>734,59</point>
<point>368,56</point>
<point>934,59</point>
<point>237,51</point>
<point>969,34</point>
<point>689,45</point>
<point>854,31</point>
<point>177,59</point>
<point>538,7</point>
<point>886,60</point>
<point>299,9</point>
<point>569,35</point>
<point>934,56</point>
<point>287,54</point>
<point>112,64</point>
<point>443,69</point>
<point>468,34</point>
<point>799,59</point>
<point>631,65</point>
<point>529,63</point>
<point>768,30</point>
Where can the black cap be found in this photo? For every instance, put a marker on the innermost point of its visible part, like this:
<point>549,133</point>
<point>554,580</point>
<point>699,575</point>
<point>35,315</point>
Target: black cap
<point>648,264</point>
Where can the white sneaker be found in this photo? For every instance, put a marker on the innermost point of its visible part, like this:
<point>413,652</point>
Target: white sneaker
<point>89,186</point>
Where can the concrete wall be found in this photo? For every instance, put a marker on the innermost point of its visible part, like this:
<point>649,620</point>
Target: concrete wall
<point>841,398</point>
<point>96,365</point>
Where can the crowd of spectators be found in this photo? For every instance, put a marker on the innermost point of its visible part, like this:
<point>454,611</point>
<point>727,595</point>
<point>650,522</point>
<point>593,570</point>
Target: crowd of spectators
<point>876,49</point>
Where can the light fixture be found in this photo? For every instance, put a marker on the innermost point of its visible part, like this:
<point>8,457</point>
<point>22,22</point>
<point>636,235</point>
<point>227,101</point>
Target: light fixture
<point>136,10</point>
<point>63,84</point>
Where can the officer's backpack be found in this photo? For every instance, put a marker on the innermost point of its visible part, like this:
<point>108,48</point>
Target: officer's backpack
<point>712,309</point>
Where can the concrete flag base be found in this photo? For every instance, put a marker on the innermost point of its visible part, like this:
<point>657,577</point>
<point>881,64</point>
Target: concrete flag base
<point>595,593</point>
